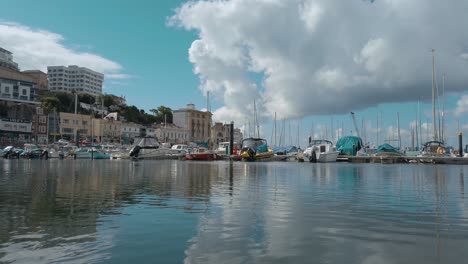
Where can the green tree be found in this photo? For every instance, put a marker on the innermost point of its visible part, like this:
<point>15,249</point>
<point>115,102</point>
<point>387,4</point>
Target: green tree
<point>50,103</point>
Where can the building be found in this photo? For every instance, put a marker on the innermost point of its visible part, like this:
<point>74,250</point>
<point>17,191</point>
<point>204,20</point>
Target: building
<point>6,60</point>
<point>14,132</point>
<point>198,123</point>
<point>170,133</point>
<point>74,78</point>
<point>17,87</point>
<point>222,133</point>
<point>107,130</point>
<point>39,128</point>
<point>38,77</point>
<point>75,126</point>
<point>130,131</point>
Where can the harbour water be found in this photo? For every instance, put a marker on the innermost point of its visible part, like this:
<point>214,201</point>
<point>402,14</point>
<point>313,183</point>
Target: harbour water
<point>78,211</point>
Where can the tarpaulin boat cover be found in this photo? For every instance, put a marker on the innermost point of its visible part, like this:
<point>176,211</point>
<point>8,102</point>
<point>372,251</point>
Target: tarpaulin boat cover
<point>284,150</point>
<point>349,145</point>
<point>386,148</point>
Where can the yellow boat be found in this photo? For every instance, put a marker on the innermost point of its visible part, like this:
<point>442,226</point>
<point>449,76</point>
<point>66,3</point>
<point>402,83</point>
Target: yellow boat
<point>255,149</point>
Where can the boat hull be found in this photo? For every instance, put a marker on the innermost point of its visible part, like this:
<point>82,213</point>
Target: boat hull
<point>328,156</point>
<point>202,156</point>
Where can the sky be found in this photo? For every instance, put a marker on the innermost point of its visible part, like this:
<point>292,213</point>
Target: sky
<point>311,62</point>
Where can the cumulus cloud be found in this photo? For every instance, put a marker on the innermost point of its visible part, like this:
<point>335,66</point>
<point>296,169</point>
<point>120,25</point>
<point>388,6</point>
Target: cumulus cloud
<point>307,57</point>
<point>37,49</point>
<point>462,106</point>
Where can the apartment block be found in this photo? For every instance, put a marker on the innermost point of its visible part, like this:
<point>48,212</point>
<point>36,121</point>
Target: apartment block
<point>74,78</point>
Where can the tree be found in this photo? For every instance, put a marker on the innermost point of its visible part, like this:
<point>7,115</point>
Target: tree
<point>164,114</point>
<point>50,103</point>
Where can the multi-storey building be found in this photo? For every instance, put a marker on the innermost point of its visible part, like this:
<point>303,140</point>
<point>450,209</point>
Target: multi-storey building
<point>171,133</point>
<point>39,128</point>
<point>107,130</point>
<point>74,78</point>
<point>6,60</point>
<point>222,132</point>
<point>17,87</point>
<point>198,123</point>
<point>130,131</point>
<point>75,126</point>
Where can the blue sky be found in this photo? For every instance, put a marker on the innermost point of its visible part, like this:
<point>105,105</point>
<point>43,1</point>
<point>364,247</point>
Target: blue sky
<point>147,60</point>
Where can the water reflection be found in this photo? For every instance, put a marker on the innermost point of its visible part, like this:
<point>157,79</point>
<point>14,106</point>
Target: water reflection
<point>221,212</point>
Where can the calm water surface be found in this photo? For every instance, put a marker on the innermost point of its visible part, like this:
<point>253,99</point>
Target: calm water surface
<point>173,212</point>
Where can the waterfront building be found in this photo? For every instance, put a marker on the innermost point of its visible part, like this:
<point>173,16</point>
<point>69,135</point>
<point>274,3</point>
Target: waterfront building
<point>6,60</point>
<point>17,87</point>
<point>198,123</point>
<point>170,133</point>
<point>151,131</point>
<point>74,78</point>
<point>75,125</point>
<point>222,133</point>
<point>14,132</point>
<point>130,131</point>
<point>18,102</point>
<point>107,130</point>
<point>39,127</point>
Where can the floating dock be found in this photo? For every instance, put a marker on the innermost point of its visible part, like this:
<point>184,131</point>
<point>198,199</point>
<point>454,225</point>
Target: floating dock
<point>403,159</point>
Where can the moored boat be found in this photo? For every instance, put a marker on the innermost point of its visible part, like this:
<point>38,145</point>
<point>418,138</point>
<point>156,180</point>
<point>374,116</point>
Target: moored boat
<point>255,149</point>
<point>321,151</point>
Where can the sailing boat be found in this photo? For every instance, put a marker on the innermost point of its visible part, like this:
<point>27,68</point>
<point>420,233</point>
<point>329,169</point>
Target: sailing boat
<point>435,147</point>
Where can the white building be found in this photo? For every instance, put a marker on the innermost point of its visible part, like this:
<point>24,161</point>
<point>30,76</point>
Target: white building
<point>171,133</point>
<point>6,60</point>
<point>130,131</point>
<point>80,79</point>
<point>16,87</point>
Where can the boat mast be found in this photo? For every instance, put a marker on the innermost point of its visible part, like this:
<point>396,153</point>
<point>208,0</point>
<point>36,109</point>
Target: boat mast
<point>275,130</point>
<point>433,98</point>
<point>443,109</point>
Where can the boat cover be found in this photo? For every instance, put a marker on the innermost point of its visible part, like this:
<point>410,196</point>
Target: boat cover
<point>386,148</point>
<point>284,150</point>
<point>349,145</point>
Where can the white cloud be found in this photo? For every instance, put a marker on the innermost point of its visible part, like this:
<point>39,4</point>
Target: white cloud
<point>37,49</point>
<point>307,57</point>
<point>462,106</point>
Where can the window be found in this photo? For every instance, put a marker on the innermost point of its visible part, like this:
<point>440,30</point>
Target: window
<point>7,89</point>
<point>24,92</point>
<point>67,130</point>
<point>85,123</point>
<point>66,121</point>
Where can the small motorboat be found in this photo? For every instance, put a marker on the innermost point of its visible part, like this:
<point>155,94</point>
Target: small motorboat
<point>202,154</point>
<point>255,149</point>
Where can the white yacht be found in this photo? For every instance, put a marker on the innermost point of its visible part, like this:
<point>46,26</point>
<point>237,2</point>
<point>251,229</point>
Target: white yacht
<point>321,151</point>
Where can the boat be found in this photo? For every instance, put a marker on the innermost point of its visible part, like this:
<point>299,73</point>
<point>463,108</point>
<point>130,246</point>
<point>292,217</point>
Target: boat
<point>202,154</point>
<point>10,152</point>
<point>149,148</point>
<point>33,151</point>
<point>351,146</point>
<point>321,150</point>
<point>387,150</point>
<point>434,149</point>
<point>255,149</point>
<point>89,153</point>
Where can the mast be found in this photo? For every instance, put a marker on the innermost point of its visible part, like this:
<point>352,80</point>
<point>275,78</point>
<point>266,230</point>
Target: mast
<point>275,130</point>
<point>433,98</point>
<point>443,109</point>
<point>398,125</point>
<point>416,130</point>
